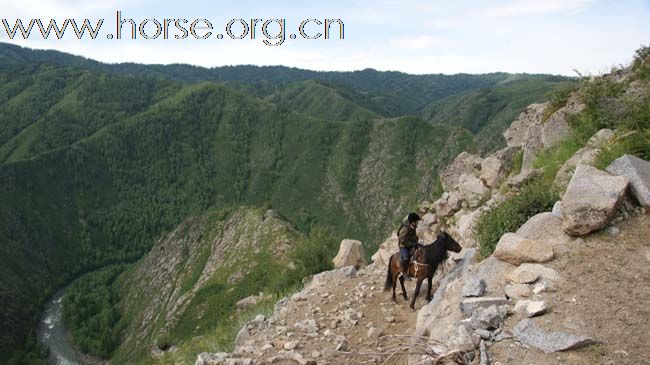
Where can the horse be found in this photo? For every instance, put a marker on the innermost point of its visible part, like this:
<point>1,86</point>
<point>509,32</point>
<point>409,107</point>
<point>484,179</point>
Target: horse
<point>424,265</point>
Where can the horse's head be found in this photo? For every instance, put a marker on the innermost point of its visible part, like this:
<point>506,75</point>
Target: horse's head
<point>449,242</point>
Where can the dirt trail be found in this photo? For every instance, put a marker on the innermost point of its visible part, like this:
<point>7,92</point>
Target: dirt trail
<point>344,312</point>
<point>605,295</point>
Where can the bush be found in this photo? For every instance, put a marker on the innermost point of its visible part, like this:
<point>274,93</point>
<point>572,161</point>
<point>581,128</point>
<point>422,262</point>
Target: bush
<point>641,64</point>
<point>556,100</point>
<point>313,255</point>
<point>508,216</point>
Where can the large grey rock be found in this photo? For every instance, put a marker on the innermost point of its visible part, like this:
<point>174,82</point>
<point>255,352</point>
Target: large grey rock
<point>463,163</point>
<point>437,318</point>
<point>528,273</point>
<point>472,189</point>
<point>350,254</point>
<point>545,227</point>
<point>489,318</point>
<point>515,135</point>
<point>591,200</point>
<point>326,278</point>
<point>469,305</point>
<point>638,172</point>
<point>460,338</point>
<point>527,332</point>
<point>474,287</point>
<point>516,250</point>
<point>492,169</point>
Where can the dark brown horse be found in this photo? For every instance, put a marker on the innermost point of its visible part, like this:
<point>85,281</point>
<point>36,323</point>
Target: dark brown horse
<point>424,265</point>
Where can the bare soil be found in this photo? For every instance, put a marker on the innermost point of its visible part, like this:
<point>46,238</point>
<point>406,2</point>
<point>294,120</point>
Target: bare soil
<point>605,295</point>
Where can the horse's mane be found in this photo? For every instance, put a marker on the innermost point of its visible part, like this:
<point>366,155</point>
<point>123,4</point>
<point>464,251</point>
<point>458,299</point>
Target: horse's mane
<point>435,252</point>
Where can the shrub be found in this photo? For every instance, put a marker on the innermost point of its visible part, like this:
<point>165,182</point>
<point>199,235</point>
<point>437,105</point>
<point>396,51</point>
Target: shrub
<point>508,216</point>
<point>641,63</point>
<point>556,100</point>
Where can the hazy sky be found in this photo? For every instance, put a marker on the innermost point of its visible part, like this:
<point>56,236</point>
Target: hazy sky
<point>472,36</point>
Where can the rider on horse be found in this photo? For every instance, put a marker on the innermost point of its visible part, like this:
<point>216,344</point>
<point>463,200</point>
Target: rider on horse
<point>408,241</point>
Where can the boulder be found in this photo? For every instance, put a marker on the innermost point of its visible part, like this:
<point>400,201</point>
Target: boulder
<point>530,308</point>
<point>591,200</point>
<point>326,278</point>
<point>386,250</point>
<point>584,156</point>
<point>375,332</point>
<point>545,227</point>
<point>524,177</point>
<point>489,318</point>
<point>474,287</point>
<point>471,189</point>
<point>637,171</point>
<point>517,291</point>
<point>528,273</point>
<point>463,163</point>
<point>350,254</point>
<point>516,250</point>
<point>460,338</point>
<point>515,135</point>
<point>491,171</point>
<point>528,333</point>
<point>464,227</point>
<point>428,219</point>
<point>469,305</point>
<point>249,301</point>
<point>437,319</point>
<point>557,210</point>
<point>242,336</point>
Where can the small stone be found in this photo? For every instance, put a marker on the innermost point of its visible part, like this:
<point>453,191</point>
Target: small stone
<point>390,319</point>
<point>375,332</point>
<point>530,308</point>
<point>290,345</point>
<point>484,334</point>
<point>528,273</point>
<point>613,231</point>
<point>517,291</point>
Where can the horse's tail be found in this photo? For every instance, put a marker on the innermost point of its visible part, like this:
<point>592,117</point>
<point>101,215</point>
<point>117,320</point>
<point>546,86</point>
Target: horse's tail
<point>389,277</point>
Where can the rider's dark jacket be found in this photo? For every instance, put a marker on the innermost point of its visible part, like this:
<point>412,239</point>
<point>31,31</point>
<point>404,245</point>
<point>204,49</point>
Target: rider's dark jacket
<point>406,236</point>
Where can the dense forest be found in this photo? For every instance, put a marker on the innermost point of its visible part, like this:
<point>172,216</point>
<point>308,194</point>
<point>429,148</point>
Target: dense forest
<point>99,161</point>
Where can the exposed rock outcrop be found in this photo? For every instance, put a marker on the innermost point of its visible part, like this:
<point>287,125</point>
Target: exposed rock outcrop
<point>516,250</point>
<point>591,199</point>
<point>350,254</point>
<point>638,173</point>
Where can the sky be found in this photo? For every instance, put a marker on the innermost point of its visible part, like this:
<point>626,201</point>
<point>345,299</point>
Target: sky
<point>418,37</point>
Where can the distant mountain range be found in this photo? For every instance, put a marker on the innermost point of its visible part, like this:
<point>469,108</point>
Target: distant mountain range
<point>98,161</point>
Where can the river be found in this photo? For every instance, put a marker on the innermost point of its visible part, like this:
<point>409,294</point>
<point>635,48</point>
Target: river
<point>52,334</point>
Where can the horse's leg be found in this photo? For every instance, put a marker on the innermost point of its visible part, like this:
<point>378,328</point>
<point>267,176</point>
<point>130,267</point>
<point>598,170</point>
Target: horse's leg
<point>401,281</point>
<point>394,286</point>
<point>429,280</point>
<point>416,292</point>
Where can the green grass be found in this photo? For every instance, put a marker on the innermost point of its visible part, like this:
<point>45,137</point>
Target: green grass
<point>508,216</point>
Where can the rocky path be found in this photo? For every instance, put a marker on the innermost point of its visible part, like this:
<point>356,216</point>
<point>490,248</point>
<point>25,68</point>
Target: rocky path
<point>341,317</point>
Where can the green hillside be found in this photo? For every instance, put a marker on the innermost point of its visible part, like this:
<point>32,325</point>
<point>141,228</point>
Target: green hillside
<point>97,161</point>
<point>488,112</point>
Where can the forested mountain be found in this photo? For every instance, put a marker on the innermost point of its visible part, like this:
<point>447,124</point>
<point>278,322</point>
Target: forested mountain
<point>98,161</point>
